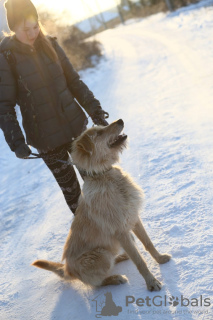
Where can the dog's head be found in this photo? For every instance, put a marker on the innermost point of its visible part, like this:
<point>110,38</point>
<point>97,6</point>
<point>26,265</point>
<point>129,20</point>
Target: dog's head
<point>97,148</point>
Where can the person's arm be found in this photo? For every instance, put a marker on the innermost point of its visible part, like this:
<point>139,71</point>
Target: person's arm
<point>78,88</point>
<point>8,120</point>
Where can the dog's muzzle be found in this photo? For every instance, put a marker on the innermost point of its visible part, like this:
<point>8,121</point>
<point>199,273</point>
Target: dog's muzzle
<point>121,137</point>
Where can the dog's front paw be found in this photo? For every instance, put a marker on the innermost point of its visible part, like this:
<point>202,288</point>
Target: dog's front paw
<point>122,279</point>
<point>163,258</point>
<point>115,280</point>
<point>153,284</point>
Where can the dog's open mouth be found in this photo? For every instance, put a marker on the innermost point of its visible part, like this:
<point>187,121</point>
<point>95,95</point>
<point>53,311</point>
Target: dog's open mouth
<point>118,140</point>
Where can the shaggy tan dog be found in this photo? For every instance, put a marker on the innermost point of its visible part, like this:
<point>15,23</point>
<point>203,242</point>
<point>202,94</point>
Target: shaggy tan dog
<point>107,213</point>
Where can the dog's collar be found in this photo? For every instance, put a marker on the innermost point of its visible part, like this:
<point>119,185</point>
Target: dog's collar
<point>93,173</point>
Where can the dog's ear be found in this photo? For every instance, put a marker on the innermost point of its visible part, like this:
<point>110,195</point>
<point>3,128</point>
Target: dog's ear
<point>85,144</point>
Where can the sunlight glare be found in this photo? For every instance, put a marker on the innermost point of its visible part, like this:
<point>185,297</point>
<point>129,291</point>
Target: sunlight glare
<point>78,9</point>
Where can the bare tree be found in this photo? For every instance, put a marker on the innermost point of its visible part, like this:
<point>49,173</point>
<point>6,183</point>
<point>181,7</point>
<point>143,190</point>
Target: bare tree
<point>119,8</point>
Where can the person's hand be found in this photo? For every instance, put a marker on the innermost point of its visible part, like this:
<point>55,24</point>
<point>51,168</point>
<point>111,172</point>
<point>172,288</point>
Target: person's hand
<point>22,151</point>
<point>99,116</point>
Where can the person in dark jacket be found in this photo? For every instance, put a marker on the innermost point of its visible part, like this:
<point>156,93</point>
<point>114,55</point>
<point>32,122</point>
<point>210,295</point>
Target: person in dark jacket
<point>36,74</point>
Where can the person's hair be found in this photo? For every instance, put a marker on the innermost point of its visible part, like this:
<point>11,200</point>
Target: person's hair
<point>46,44</point>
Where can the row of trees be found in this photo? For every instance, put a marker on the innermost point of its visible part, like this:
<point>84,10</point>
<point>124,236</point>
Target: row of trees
<point>82,52</point>
<point>137,4</point>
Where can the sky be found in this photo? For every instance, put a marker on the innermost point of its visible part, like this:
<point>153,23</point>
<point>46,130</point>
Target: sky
<point>78,9</point>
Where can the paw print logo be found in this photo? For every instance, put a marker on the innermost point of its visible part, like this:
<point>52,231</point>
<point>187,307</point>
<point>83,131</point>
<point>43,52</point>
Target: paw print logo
<point>173,301</point>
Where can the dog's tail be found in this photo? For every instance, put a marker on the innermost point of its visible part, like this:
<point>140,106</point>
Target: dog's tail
<point>58,268</point>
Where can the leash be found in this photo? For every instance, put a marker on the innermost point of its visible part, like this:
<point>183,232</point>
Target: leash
<point>36,156</point>
<point>83,173</point>
<point>39,156</point>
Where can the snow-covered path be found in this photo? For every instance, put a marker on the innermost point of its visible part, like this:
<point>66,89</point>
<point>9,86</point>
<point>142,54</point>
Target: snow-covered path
<point>157,75</point>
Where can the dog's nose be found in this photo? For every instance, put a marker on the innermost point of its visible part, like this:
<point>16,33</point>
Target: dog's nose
<point>120,122</point>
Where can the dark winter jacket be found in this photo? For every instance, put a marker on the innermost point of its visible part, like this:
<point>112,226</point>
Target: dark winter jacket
<point>46,92</point>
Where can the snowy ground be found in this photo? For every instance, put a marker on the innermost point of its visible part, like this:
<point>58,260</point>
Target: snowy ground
<point>157,75</point>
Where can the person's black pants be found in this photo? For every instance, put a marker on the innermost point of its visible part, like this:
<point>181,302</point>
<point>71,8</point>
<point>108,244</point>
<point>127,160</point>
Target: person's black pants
<point>64,174</point>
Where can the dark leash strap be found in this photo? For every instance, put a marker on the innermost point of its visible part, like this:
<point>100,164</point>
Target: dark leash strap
<point>40,156</point>
<point>36,156</point>
<point>83,173</point>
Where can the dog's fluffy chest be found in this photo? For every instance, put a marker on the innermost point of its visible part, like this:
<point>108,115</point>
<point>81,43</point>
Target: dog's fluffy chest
<point>114,199</point>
